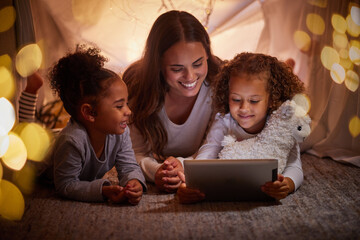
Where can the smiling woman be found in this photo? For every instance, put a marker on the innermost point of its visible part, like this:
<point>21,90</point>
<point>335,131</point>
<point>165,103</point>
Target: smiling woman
<point>184,67</point>
<point>169,95</point>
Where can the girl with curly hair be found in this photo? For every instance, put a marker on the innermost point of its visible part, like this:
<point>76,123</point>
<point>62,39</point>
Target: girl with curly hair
<point>248,89</point>
<point>97,136</point>
<point>170,95</point>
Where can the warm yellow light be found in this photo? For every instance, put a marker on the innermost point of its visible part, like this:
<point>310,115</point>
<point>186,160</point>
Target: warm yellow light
<point>12,202</point>
<point>318,3</point>
<point>302,41</point>
<point>340,40</point>
<point>352,28</point>
<point>339,23</point>
<point>303,101</point>
<point>354,55</point>
<point>343,53</point>
<point>15,156</point>
<point>36,139</point>
<point>1,171</point>
<point>354,126</point>
<point>7,18</point>
<point>7,83</point>
<point>352,80</point>
<point>346,63</point>
<point>355,15</point>
<point>7,118</point>
<point>355,43</point>
<point>28,60</point>
<point>25,178</point>
<point>337,73</point>
<point>5,60</point>
<point>4,144</point>
<point>88,12</point>
<point>315,23</point>
<point>329,56</point>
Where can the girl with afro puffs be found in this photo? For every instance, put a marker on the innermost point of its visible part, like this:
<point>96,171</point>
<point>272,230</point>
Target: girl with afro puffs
<point>247,90</point>
<point>97,137</point>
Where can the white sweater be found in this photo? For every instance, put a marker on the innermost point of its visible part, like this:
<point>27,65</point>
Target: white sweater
<point>183,140</point>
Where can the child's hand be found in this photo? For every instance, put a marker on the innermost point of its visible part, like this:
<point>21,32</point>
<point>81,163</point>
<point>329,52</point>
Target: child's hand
<point>280,188</point>
<point>188,195</point>
<point>34,82</point>
<point>133,191</point>
<point>114,193</point>
<point>166,177</point>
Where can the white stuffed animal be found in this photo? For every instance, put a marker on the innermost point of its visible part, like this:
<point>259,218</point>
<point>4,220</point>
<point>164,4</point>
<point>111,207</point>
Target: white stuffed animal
<point>285,127</point>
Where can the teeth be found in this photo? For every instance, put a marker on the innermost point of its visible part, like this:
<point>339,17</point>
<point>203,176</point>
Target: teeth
<point>190,85</point>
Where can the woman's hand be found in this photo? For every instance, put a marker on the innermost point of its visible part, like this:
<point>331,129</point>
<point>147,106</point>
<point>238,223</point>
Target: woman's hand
<point>279,189</point>
<point>188,195</point>
<point>166,177</point>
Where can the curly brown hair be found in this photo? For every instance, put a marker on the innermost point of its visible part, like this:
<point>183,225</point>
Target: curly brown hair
<point>81,75</point>
<point>282,83</point>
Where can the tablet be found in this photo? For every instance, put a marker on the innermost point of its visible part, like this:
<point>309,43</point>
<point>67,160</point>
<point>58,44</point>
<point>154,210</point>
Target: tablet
<point>231,180</point>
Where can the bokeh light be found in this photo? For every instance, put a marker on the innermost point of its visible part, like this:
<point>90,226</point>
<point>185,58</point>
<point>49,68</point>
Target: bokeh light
<point>355,15</point>
<point>346,63</point>
<point>7,118</point>
<point>5,60</point>
<point>315,23</point>
<point>7,83</point>
<point>352,28</point>
<point>25,178</point>
<point>88,12</point>
<point>4,144</point>
<point>7,18</point>
<point>344,53</point>
<point>37,140</point>
<point>337,73</point>
<point>28,60</point>
<point>302,41</point>
<point>304,102</point>
<point>329,56</point>
<point>355,43</point>
<point>352,80</point>
<point>15,156</point>
<point>354,55</point>
<point>340,40</point>
<point>339,23</point>
<point>12,202</point>
<point>1,171</point>
<point>354,126</point>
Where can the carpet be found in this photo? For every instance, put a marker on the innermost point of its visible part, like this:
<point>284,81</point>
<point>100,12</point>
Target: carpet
<point>326,206</point>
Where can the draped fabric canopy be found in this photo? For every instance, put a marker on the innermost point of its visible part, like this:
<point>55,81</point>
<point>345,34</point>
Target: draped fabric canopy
<point>272,27</point>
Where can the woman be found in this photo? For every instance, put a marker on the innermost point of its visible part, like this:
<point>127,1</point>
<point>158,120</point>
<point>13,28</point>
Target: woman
<point>169,94</point>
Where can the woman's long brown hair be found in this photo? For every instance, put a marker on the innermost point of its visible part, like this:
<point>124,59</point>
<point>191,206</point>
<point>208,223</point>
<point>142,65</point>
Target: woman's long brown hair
<point>146,84</point>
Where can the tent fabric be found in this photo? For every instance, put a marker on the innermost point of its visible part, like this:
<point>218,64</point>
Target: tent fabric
<point>120,29</point>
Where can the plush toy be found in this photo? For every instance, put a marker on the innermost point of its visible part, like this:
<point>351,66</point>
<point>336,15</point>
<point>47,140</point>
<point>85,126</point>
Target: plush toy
<point>285,127</point>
